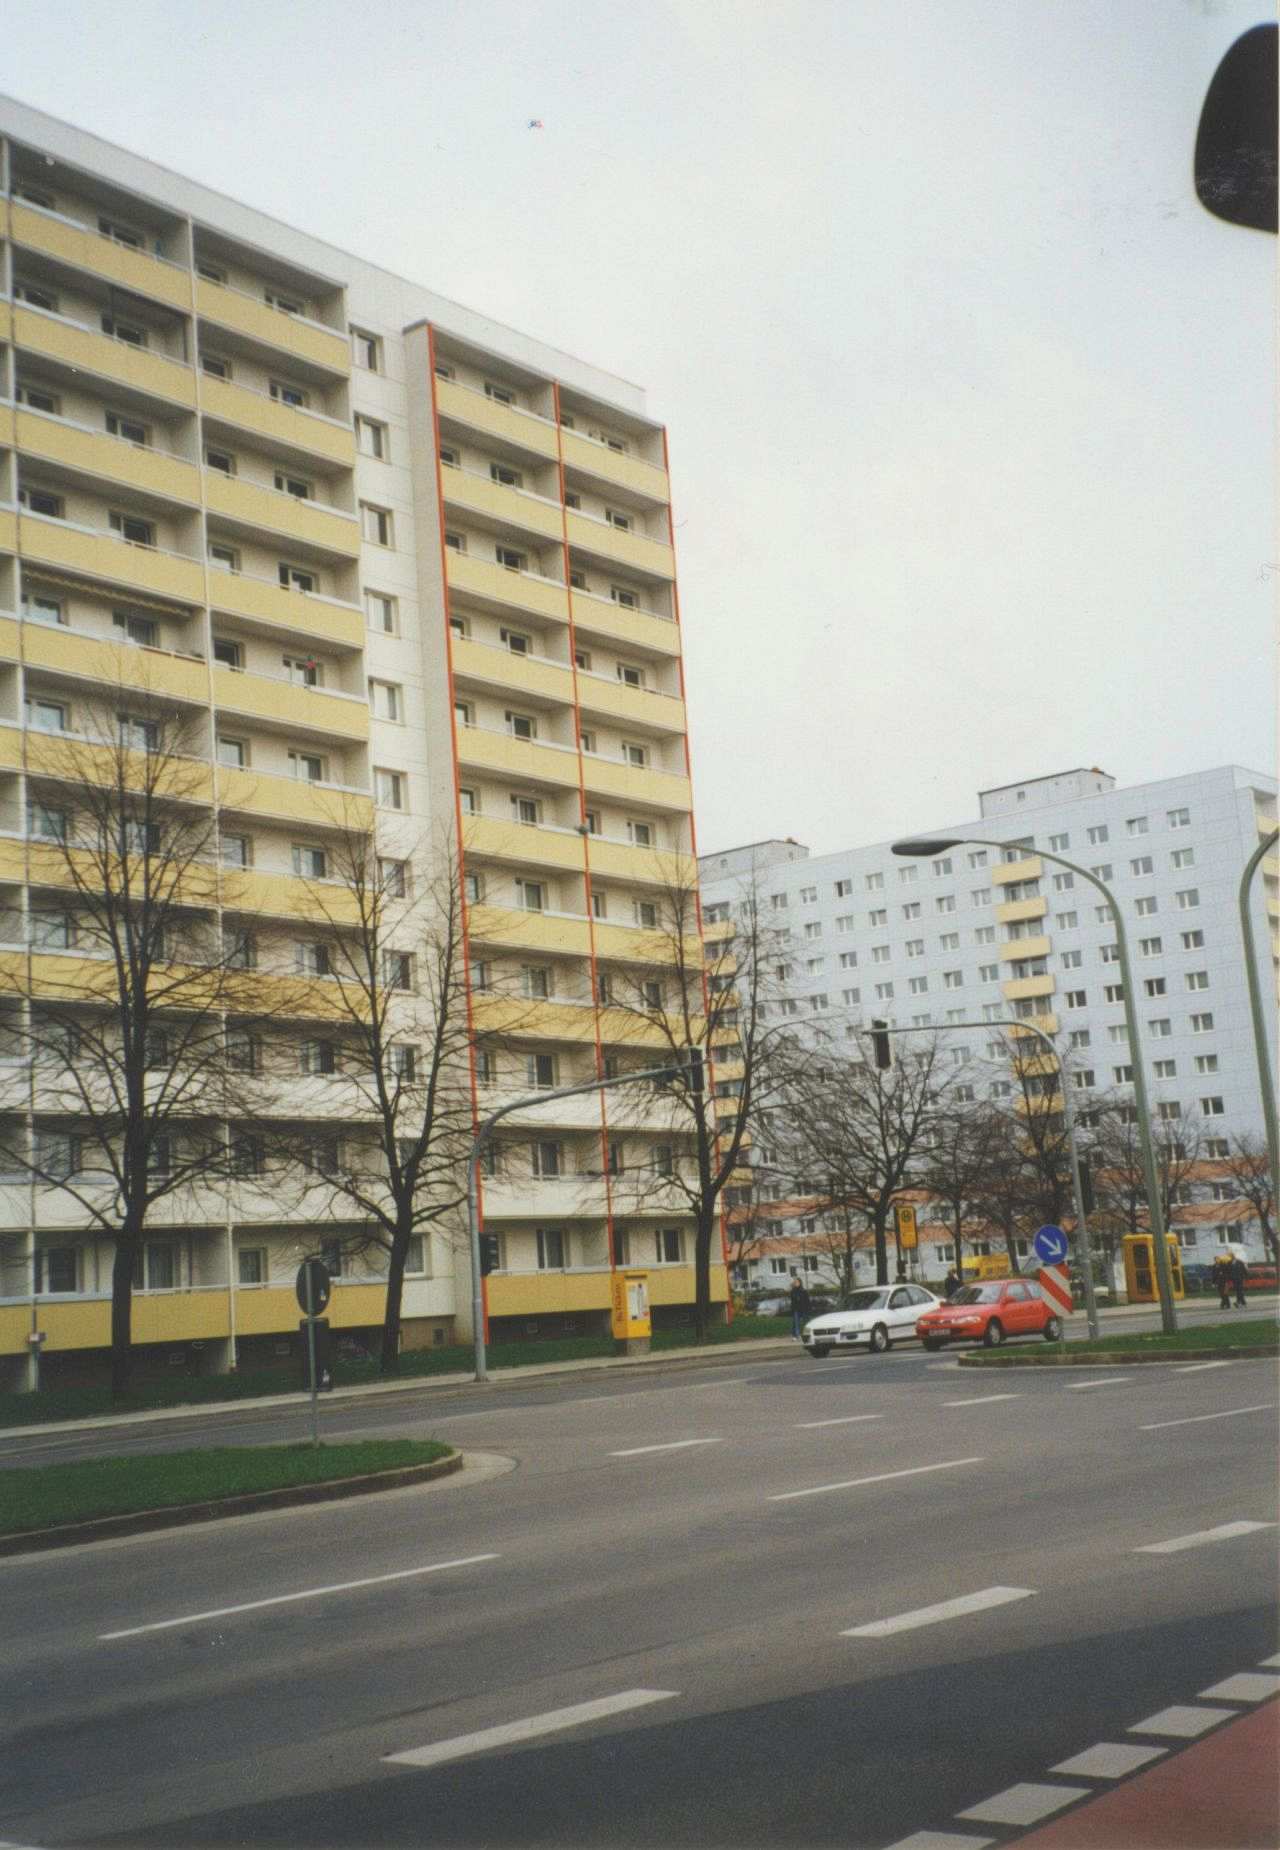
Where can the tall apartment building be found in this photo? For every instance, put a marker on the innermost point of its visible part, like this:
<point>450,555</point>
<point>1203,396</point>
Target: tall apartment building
<point>394,562</point>
<point>977,934</point>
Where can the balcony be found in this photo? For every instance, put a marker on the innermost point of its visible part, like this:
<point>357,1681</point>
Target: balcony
<point>295,336</point>
<point>636,552</point>
<point>294,800</point>
<point>646,708</point>
<point>552,934</point>
<point>106,558</point>
<point>525,760</point>
<point>522,430</point>
<point>319,711</point>
<point>288,896</point>
<point>497,588</point>
<point>84,248</point>
<point>309,434</point>
<point>67,757</point>
<point>1015,911</point>
<point>545,1022</point>
<point>1024,988</point>
<point>614,466</point>
<point>8,530</point>
<point>158,1316</point>
<point>492,838</point>
<point>1015,950</point>
<point>617,860</point>
<point>282,516</point>
<point>633,944</point>
<point>544,1198</point>
<point>542,1294</point>
<point>271,609</point>
<point>1031,867</point>
<point>105,458</point>
<point>264,1309</point>
<point>113,665</point>
<point>634,629</point>
<point>629,783</point>
<point>503,506</point>
<point>529,676</point>
<point>72,346</point>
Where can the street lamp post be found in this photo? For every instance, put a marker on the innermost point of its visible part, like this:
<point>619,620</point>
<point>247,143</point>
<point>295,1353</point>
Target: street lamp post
<point>1261,1045</point>
<point>1155,1210</point>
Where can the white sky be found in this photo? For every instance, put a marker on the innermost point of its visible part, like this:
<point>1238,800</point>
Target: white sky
<point>968,398</point>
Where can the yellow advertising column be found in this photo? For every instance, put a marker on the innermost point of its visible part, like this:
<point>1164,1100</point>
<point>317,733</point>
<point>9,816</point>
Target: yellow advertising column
<point>632,1324</point>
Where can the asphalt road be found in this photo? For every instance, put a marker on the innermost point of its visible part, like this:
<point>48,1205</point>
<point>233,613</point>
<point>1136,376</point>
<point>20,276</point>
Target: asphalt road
<point>651,1588</point>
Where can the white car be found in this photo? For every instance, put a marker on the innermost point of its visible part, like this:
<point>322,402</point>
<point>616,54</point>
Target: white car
<point>877,1317</point>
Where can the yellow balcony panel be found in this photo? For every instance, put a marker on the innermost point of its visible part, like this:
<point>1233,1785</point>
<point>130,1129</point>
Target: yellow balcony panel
<point>314,710</point>
<point>286,896</point>
<point>512,507</point>
<point>280,996</point>
<point>8,531</point>
<point>631,783</point>
<point>284,516</point>
<point>1039,1103</point>
<point>634,629</point>
<point>1028,986</point>
<point>632,944</point>
<point>86,249</point>
<point>545,1022</point>
<point>497,588</point>
<point>307,432</point>
<point>10,635</point>
<point>550,933</point>
<point>545,1198</point>
<point>111,560</point>
<point>10,747</point>
<point>74,1324</point>
<point>271,608</point>
<point>524,430</point>
<point>263,1309</point>
<point>69,758</point>
<point>717,931</point>
<point>1020,949</point>
<point>15,1326</point>
<point>1029,868</point>
<point>272,327</point>
<point>620,1027</point>
<point>87,351</point>
<point>293,800</point>
<point>115,665</point>
<point>675,1284</point>
<point>729,1069</point>
<point>643,478</point>
<point>492,838</point>
<point>535,1294</point>
<point>1014,911</point>
<point>94,453</point>
<point>1047,1024</point>
<point>177,1316</point>
<point>643,707</point>
<point>525,760</point>
<point>636,551</point>
<point>489,665</point>
<point>646,866</point>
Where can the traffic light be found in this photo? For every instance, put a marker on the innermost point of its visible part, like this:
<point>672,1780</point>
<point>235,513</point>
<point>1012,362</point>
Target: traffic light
<point>1086,1185</point>
<point>488,1254</point>
<point>691,1070</point>
<point>880,1045</point>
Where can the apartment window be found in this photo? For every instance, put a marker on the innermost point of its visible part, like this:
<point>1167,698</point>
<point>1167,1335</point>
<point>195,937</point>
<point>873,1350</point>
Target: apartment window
<point>874,882</point>
<point>943,866</point>
<point>915,947</point>
<point>1197,979</point>
<point>501,394</point>
<point>376,524</point>
<point>1212,1108</point>
<point>1150,947</point>
<point>456,542</point>
<point>389,789</point>
<point>1123,1075</point>
<point>1103,871</point>
<point>1179,818</point>
<point>393,878</point>
<point>40,501</point>
<point>246,1155</point>
<point>129,430</point>
<point>531,895</point>
<point>918,985</point>
<point>1118,1034</point>
<point>1188,899</point>
<point>1146,907</point>
<point>45,823</point>
<point>988,973</point>
<point>945,902</point>
<point>1113,992</point>
<point>911,910</point>
<point>297,578</point>
<point>540,1071</point>
<point>225,556</point>
<point>251,1265</point>
<point>318,1057</point>
<point>1141,864</point>
<point>1182,857</point>
<point>311,959</point>
<point>884,992</point>
<point>243,1051</point>
<point>950,940</point>
<point>813,929</point>
<point>952,979</point>
<point>646,915</point>
<point>1078,1037</point>
<point>47,715</point>
<point>551,1249</point>
<point>381,613</point>
<point>980,896</point>
<point>397,970</point>
<point>526,810</point>
<point>616,518</point>
<point>132,333</point>
<point>215,366</point>
<point>1202,1024</point>
<point>599,903</point>
<point>510,559</point>
<point>239,949</point>
<point>1216,1147</point>
<point>302,670</point>
<point>1071,960</point>
<point>843,888</point>
<point>845,922</point>
<point>386,700</point>
<point>473,888</point>
<point>140,735</point>
<point>630,674</point>
<point>1098,833</point>
<point>237,851</point>
<point>308,767</point>
<point>372,438</point>
<point>639,834</point>
<point>1075,999</point>
<point>35,296</point>
<point>366,350</point>
<point>137,532</point>
<point>221,460</point>
<point>228,654</point>
<point>1109,953</point>
<point>909,873</point>
<point>877,918</point>
<point>39,608</point>
<point>312,862</point>
<point>1165,1069</point>
<point>1136,825</point>
<point>1154,985</point>
<point>521,725</point>
<point>1066,921</point>
<point>296,485</point>
<point>880,953</point>
<point>1206,1063</point>
<point>286,393</point>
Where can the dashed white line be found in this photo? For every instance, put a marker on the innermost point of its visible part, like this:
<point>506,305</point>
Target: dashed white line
<point>1270,1663</point>
<point>1025,1803</point>
<point>1196,1419</point>
<point>1196,1368</point>
<point>1225,1532</point>
<point>436,1752</point>
<point>1249,1686</point>
<point>846,1419</point>
<point>881,1477</point>
<point>1183,1721</point>
<point>1107,1381</point>
<point>1109,1760</point>
<point>942,1840</point>
<point>287,1599</point>
<point>671,1445</point>
<point>983,1400</point>
<point>945,1609</point>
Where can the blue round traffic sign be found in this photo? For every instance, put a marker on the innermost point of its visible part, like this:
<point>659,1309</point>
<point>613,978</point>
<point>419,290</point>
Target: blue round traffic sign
<point>1051,1245</point>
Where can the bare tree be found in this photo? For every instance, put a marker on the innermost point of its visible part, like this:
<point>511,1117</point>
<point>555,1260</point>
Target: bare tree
<point>969,1143</point>
<point>1248,1166</point>
<point>1118,1176</point>
<point>127,1076</point>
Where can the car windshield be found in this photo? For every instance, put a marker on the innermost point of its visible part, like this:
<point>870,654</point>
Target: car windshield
<point>978,1294</point>
<point>865,1300</point>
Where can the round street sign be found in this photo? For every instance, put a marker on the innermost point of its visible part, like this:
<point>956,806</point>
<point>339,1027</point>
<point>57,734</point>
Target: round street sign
<point>1051,1245</point>
<point>318,1272</point>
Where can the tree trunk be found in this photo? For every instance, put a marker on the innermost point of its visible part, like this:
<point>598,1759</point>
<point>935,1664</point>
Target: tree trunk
<point>882,1249</point>
<point>389,1362</point>
<point>122,1312</point>
<point>702,1271</point>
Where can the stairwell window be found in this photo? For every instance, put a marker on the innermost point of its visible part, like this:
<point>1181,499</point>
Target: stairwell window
<point>382,613</point>
<point>397,970</point>
<point>393,878</point>
<point>386,700</point>
<point>390,789</point>
<point>376,524</point>
<point>366,350</point>
<point>372,438</point>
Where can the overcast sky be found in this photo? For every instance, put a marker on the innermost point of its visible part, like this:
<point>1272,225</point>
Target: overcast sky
<point>969,400</point>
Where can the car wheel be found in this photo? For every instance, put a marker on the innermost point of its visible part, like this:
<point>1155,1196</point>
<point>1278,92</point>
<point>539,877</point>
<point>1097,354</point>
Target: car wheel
<point>879,1340</point>
<point>1052,1330</point>
<point>931,1343</point>
<point>993,1335</point>
<point>818,1353</point>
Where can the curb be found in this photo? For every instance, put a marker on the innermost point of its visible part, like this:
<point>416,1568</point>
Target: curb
<point>1118,1356</point>
<point>140,1522</point>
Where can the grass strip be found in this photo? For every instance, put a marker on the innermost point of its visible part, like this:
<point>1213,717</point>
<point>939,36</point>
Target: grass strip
<point>41,1497</point>
<point>1213,1339</point>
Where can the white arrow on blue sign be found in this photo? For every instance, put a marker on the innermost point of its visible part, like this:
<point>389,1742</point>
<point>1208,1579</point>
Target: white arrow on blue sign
<point>1051,1245</point>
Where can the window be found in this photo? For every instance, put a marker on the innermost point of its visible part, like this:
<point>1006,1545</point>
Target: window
<point>879,953</point>
<point>1188,899</point>
<point>942,867</point>
<point>239,949</point>
<point>813,929</point>
<point>1182,857</point>
<point>988,973</point>
<point>1212,1108</point>
<point>366,350</point>
<point>1202,1024</point>
<point>46,824</point>
<point>382,613</point>
<point>302,670</point>
<point>297,578</point>
<point>985,934</point>
<point>632,675</point>
<point>311,862</point>
<point>296,485</point>
<point>1154,985</point>
<point>40,501</point>
<point>1109,953</point>
<point>1165,1069</point>
<point>1197,979</point>
<point>1136,825</point>
<point>874,882</point>
<point>397,970</point>
<point>1123,1075</point>
<point>848,960</point>
<point>1178,818</point>
<point>945,902</point>
<point>389,789</point>
<point>1206,1063</point>
<point>1118,1034</point>
<point>1098,833</point>
<point>1192,940</point>
<point>130,332</point>
<point>952,979</point>
<point>376,524</point>
<point>225,556</point>
<point>626,595</point>
<point>37,607</point>
<point>286,394</point>
<point>884,992</point>
<point>1113,992</point>
<point>540,1071</point>
<point>237,851</point>
<point>646,916</point>
<point>909,873</point>
<point>918,985</point>
<point>911,910</point>
<point>1150,947</point>
<point>311,959</point>
<point>215,366</point>
<point>386,700</point>
<point>1141,864</point>
<point>501,394</point>
<point>851,997</point>
<point>160,1271</point>
<point>616,518</point>
<point>308,767</point>
<point>140,735</point>
<point>878,918</point>
<point>950,940</point>
<point>521,725</point>
<point>1216,1147</point>
<point>318,1057</point>
<point>502,473</point>
<point>531,895</point>
<point>35,296</point>
<point>1075,999</point>
<point>251,1265</point>
<point>1103,871</point>
<point>372,438</point>
<point>47,715</point>
<point>129,430</point>
<point>456,542</point>
<point>243,1051</point>
<point>843,888</point>
<point>246,1155</point>
<point>1071,960</point>
<point>1146,907</point>
<point>915,947</point>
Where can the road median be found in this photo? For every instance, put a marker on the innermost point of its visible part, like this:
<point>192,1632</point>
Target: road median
<point>1251,1338</point>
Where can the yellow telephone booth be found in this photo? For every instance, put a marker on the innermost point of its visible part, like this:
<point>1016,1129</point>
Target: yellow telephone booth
<point>632,1324</point>
<point>1140,1282</point>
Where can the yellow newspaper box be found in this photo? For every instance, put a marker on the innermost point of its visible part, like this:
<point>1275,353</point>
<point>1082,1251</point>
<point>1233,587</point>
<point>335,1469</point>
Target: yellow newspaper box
<point>905,1215</point>
<point>1140,1282</point>
<point>631,1321</point>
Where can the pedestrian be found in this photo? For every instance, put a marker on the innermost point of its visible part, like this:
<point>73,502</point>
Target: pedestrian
<point>800,1305</point>
<point>1222,1279</point>
<point>950,1284</point>
<point>1238,1273</point>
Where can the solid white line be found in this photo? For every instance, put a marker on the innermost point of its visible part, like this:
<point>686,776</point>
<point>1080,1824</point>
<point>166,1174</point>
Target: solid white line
<point>528,1729</point>
<point>1249,1686</point>
<point>983,1400</point>
<point>846,1419</point>
<point>881,1477</point>
<point>1024,1803</point>
<point>673,1445</point>
<point>286,1599</point>
<point>1195,1419</point>
<point>1109,1760</point>
<point>1195,1368</point>
<point>1108,1381</point>
<point>1225,1532</point>
<point>1182,1721</point>
<point>945,1609</point>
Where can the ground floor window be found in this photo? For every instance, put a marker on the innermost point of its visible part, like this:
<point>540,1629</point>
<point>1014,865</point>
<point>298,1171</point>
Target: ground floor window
<point>251,1265</point>
<point>155,1266</point>
<point>668,1246</point>
<point>550,1249</point>
<point>57,1269</point>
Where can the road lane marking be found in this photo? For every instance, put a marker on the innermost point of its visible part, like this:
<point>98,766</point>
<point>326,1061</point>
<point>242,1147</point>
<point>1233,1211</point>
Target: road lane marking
<point>672,1445</point>
<point>846,1419</point>
<point>881,1477</point>
<point>1225,1532</point>
<point>286,1599</point>
<point>1109,1760</point>
<point>1270,1663</point>
<point>530,1728</point>
<point>1025,1803</point>
<point>1182,1721</point>
<point>1107,1381</point>
<point>1195,1368</point>
<point>1195,1419</point>
<point>945,1609</point>
<point>983,1400</point>
<point>942,1840</point>
<point>1249,1686</point>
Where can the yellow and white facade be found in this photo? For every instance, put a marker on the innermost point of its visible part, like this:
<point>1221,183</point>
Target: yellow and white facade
<point>389,559</point>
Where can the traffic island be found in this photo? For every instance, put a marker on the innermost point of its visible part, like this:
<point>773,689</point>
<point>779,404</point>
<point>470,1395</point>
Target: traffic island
<point>55,1506</point>
<point>1244,1341</point>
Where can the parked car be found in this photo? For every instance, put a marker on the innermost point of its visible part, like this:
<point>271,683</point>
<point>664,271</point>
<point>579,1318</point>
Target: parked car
<point>770,1307</point>
<point>877,1317</point>
<point>988,1313</point>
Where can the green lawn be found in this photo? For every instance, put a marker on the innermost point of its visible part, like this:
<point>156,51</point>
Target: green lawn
<point>1250,1333</point>
<point>42,1497</point>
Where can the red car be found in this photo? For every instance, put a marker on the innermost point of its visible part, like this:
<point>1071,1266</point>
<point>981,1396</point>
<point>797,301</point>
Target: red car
<point>988,1313</point>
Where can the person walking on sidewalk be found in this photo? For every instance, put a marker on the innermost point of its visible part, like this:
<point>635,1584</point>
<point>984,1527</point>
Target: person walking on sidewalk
<point>1222,1279</point>
<point>800,1305</point>
<point>1238,1272</point>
